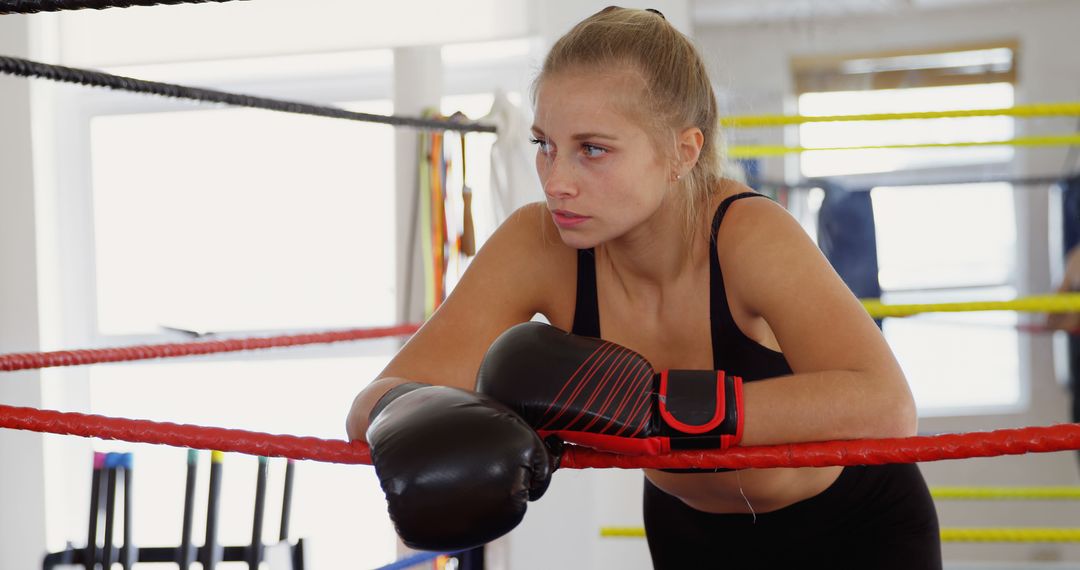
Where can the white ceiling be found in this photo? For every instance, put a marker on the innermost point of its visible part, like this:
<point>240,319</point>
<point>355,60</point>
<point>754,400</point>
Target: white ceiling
<point>725,12</point>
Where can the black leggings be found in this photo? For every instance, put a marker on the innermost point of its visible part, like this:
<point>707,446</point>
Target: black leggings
<point>871,517</point>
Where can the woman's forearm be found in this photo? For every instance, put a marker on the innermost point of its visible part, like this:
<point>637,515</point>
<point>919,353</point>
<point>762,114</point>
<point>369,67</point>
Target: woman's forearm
<point>831,405</point>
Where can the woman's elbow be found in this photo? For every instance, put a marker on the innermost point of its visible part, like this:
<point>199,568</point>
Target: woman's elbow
<point>900,417</point>
<point>354,422</point>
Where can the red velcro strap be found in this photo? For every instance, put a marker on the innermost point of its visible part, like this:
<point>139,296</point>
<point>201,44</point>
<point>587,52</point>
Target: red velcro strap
<point>741,415</point>
<point>680,380</point>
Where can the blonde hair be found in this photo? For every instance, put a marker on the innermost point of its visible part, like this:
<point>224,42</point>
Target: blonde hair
<point>677,92</point>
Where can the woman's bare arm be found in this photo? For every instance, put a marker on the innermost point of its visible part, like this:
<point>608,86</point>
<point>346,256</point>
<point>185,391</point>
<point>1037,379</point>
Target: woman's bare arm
<point>846,383</point>
<point>504,285</point>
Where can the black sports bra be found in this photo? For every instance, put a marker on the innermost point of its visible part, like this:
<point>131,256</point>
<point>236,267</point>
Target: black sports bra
<point>733,351</point>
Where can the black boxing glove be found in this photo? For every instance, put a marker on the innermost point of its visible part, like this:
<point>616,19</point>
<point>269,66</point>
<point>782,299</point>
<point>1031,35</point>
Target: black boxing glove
<point>458,468</point>
<point>596,393</point>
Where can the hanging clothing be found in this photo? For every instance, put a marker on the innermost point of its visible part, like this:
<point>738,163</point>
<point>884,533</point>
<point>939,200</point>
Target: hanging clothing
<point>444,217</point>
<point>1070,212</point>
<point>514,182</point>
<point>436,247</point>
<point>848,238</point>
<point>1070,217</point>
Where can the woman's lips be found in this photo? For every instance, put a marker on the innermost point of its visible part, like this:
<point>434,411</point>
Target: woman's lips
<point>566,219</point>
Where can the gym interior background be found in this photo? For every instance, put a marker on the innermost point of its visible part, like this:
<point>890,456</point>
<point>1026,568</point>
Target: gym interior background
<point>128,218</point>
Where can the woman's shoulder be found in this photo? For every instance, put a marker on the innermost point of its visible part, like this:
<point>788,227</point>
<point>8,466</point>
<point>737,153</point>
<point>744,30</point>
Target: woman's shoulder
<point>745,214</point>
<point>763,248</point>
<point>528,251</point>
<point>757,234</point>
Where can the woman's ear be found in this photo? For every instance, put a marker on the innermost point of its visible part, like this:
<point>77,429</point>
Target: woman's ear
<point>689,144</point>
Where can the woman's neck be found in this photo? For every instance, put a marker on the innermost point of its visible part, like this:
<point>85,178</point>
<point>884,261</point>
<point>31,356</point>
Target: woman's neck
<point>652,257</point>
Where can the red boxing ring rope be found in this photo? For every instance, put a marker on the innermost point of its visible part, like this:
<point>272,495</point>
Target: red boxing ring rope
<point>183,435</point>
<point>27,361</point>
<point>80,357</point>
<point>1017,441</point>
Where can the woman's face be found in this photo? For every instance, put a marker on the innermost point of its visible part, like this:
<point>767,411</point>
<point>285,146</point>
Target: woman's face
<point>601,174</point>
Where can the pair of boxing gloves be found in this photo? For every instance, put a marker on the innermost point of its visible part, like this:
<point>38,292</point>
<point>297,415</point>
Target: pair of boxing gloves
<point>458,467</point>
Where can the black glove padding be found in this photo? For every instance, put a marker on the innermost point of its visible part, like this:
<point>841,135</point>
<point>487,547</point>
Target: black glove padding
<point>593,392</point>
<point>458,468</point>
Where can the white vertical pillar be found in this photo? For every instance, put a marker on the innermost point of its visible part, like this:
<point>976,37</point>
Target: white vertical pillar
<point>417,86</point>
<point>22,495</point>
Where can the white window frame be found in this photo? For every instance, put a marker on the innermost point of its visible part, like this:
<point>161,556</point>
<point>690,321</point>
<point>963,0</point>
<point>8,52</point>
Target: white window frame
<point>1023,401</point>
<point>77,106</point>
<point>931,176</point>
<point>66,225</point>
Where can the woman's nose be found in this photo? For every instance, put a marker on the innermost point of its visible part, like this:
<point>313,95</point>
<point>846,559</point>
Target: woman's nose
<point>559,181</point>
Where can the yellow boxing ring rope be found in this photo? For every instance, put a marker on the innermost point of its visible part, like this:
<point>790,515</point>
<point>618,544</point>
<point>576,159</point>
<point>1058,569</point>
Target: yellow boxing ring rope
<point>754,151</point>
<point>1010,535</point>
<point>947,534</point>
<point>1063,109</point>
<point>1057,303</point>
<point>1006,493</point>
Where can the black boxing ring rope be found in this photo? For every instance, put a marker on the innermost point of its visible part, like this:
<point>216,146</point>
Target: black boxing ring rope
<point>35,6</point>
<point>27,68</point>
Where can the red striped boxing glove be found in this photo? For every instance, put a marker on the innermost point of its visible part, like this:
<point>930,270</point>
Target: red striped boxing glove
<point>596,393</point>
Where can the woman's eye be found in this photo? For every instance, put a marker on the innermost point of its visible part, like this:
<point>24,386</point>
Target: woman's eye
<point>543,144</point>
<point>593,151</point>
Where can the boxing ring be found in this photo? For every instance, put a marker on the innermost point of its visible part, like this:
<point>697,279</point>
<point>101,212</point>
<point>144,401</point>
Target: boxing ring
<point>1040,439</point>
<point>923,448</point>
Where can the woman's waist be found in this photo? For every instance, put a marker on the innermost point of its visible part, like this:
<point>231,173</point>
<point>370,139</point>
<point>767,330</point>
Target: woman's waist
<point>765,490</point>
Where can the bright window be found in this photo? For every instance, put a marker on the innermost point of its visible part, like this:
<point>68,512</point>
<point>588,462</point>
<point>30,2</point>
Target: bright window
<point>241,220</point>
<point>236,219</point>
<point>934,247</point>
<point>917,131</point>
<point>934,237</point>
<point>935,243</point>
<point>958,365</point>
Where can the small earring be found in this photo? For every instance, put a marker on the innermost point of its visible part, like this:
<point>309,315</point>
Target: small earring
<point>678,177</point>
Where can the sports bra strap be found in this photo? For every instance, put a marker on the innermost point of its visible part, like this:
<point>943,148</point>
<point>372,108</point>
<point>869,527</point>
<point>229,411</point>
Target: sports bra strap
<point>587,307</point>
<point>722,209</point>
<point>725,332</point>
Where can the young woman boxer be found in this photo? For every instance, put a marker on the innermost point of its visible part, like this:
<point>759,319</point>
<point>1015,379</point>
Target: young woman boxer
<point>641,242</point>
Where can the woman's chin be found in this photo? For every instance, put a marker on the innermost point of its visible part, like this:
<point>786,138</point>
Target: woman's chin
<point>576,240</point>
